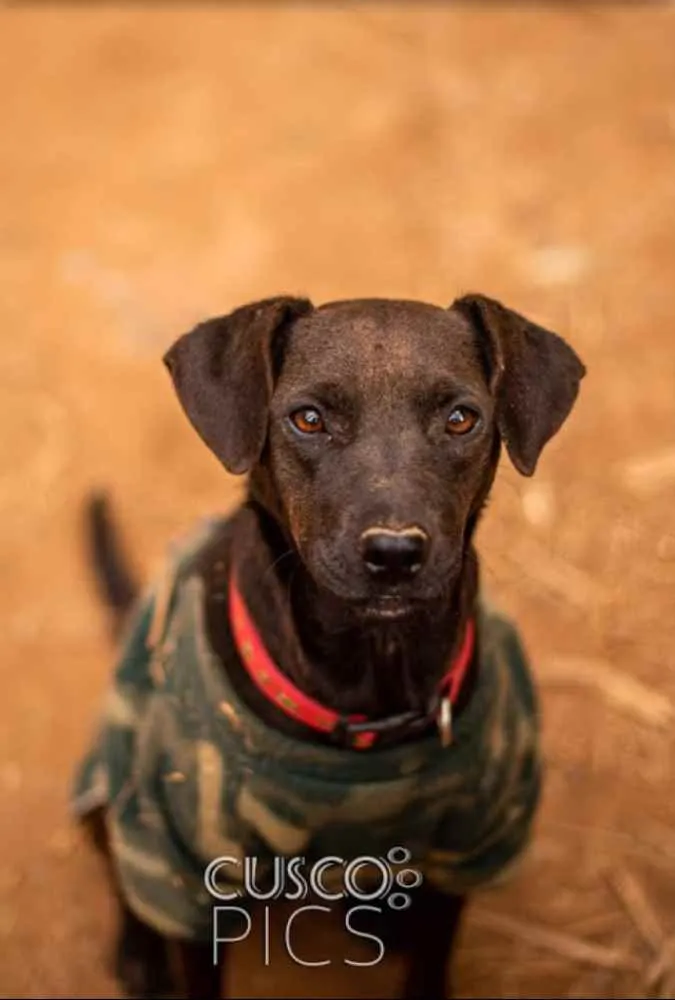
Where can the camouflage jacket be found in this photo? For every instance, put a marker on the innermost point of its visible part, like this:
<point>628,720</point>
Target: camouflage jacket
<point>189,774</point>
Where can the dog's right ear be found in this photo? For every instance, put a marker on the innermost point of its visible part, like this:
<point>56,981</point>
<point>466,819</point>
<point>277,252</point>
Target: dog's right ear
<point>223,375</point>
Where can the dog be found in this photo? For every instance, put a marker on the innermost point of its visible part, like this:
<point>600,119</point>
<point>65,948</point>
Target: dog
<point>318,674</point>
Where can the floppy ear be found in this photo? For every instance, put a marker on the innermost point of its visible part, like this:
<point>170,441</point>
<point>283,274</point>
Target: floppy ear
<point>222,372</point>
<point>534,377</point>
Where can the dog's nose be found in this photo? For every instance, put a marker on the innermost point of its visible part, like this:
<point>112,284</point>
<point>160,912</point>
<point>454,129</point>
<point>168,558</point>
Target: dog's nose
<point>394,555</point>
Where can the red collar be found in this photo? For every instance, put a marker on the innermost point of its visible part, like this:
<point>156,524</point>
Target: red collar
<point>280,690</point>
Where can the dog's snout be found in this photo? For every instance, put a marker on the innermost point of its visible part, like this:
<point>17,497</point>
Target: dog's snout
<point>394,555</point>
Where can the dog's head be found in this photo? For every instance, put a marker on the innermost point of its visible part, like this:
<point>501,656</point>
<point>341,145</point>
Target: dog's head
<point>376,426</point>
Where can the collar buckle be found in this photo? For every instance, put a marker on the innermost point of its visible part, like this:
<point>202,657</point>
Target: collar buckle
<point>360,735</point>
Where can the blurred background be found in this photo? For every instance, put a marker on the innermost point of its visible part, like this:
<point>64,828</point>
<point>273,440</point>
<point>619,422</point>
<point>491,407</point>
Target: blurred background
<point>162,164</point>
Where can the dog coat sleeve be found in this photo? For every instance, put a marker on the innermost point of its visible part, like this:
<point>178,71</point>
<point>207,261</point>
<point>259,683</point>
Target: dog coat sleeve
<point>156,774</point>
<point>97,781</point>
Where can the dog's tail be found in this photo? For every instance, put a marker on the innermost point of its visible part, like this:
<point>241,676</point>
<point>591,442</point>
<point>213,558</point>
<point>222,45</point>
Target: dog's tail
<point>114,578</point>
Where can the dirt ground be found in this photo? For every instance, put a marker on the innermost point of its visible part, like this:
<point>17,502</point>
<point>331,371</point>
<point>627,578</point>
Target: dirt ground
<point>161,165</point>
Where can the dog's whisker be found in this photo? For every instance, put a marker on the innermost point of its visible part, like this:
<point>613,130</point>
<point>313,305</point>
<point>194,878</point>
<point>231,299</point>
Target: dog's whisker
<point>289,586</point>
<point>275,563</point>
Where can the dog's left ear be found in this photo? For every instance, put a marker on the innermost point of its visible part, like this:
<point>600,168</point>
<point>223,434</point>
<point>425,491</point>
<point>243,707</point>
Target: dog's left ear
<point>534,377</point>
<point>222,372</point>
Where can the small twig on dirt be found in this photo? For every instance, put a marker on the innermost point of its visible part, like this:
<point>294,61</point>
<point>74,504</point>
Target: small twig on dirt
<point>649,472</point>
<point>639,908</point>
<point>569,947</point>
<point>660,975</point>
<point>598,923</point>
<point>619,688</point>
<point>657,970</point>
<point>598,982</point>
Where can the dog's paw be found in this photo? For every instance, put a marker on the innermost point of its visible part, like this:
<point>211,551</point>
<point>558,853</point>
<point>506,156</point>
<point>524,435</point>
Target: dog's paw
<point>142,972</point>
<point>139,982</point>
<point>424,992</point>
<point>425,987</point>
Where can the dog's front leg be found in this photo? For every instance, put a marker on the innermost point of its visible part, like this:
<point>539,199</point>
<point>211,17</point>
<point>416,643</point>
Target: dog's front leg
<point>202,976</point>
<point>430,945</point>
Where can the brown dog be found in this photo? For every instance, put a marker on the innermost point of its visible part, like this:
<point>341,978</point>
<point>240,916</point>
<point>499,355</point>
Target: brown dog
<point>317,673</point>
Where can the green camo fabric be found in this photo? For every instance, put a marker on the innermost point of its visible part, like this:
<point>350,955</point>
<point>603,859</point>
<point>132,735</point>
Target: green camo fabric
<point>188,774</point>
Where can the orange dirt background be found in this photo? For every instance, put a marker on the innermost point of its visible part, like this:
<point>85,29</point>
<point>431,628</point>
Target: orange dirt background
<point>161,165</point>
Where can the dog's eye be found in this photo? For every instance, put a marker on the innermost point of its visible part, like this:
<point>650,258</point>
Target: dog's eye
<point>308,420</point>
<point>461,420</point>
